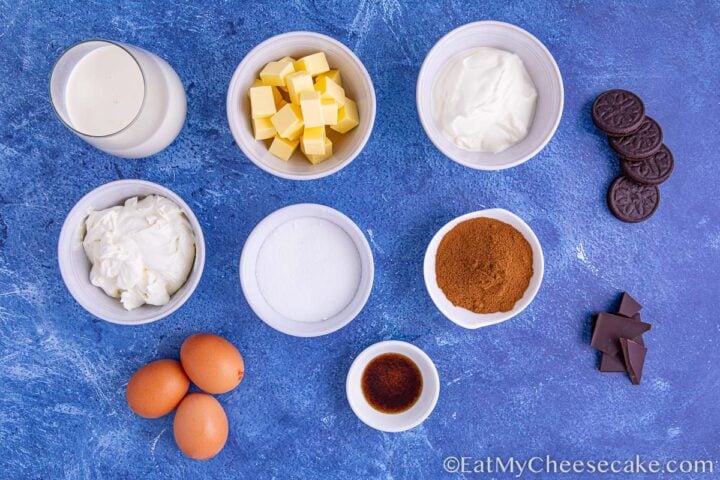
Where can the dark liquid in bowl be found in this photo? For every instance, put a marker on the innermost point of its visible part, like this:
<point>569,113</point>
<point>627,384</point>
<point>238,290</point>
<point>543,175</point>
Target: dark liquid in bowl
<point>392,383</point>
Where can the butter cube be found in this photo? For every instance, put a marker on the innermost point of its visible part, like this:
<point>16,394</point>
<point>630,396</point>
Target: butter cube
<point>330,90</point>
<point>288,120</point>
<point>256,83</point>
<point>333,75</point>
<point>263,128</point>
<point>311,108</point>
<point>287,59</point>
<point>297,83</point>
<point>262,102</point>
<point>274,73</point>
<point>277,96</point>
<point>314,64</point>
<point>283,148</point>
<point>313,141</point>
<point>295,134</point>
<point>347,117</point>
<point>330,111</point>
<point>315,159</point>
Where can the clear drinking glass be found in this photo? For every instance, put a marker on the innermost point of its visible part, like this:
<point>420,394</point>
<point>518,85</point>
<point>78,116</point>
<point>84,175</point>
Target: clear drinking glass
<point>121,99</point>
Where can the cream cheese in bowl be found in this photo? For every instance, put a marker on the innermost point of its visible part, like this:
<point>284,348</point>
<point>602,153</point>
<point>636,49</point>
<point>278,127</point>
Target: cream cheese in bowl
<point>485,100</point>
<point>141,252</point>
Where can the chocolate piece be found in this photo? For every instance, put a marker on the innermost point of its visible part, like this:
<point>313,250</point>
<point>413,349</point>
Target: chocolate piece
<point>634,355</point>
<point>609,329</point>
<point>632,202</point>
<point>618,112</point>
<point>612,363</point>
<point>615,363</point>
<point>653,170</point>
<point>646,141</point>
<point>629,307</point>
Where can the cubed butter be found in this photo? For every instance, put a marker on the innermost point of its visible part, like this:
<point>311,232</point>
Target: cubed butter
<point>312,109</point>
<point>330,90</point>
<point>333,75</point>
<point>314,64</point>
<point>287,59</point>
<point>297,83</point>
<point>288,120</point>
<point>274,73</point>
<point>277,96</point>
<point>263,128</point>
<point>295,133</point>
<point>313,141</point>
<point>315,159</point>
<point>347,117</point>
<point>330,111</point>
<point>283,148</point>
<point>262,102</point>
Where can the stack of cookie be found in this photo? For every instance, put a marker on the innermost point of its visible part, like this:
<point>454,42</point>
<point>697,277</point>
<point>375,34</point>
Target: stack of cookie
<point>638,140</point>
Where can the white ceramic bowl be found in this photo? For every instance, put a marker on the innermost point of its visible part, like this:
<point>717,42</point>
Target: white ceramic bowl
<point>466,318</point>
<point>539,63</point>
<point>254,296</point>
<point>356,82</point>
<point>393,422</point>
<point>75,267</point>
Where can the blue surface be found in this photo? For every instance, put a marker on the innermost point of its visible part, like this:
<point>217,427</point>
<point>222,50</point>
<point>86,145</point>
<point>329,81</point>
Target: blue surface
<point>527,387</point>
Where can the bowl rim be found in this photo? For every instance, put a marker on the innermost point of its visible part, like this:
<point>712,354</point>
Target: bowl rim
<point>424,115</point>
<point>233,95</point>
<point>478,320</point>
<point>293,327</point>
<point>363,359</point>
<point>68,230</point>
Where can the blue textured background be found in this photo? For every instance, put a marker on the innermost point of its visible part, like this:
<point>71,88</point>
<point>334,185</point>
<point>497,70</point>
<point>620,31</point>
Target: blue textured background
<point>526,387</point>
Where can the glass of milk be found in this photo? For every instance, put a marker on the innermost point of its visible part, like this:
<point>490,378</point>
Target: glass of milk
<point>119,98</point>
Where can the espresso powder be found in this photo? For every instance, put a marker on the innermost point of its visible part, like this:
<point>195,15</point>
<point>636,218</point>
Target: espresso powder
<point>484,265</point>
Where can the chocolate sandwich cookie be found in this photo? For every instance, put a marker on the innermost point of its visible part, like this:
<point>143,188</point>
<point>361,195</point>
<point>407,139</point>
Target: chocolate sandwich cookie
<point>632,202</point>
<point>618,112</point>
<point>653,170</point>
<point>646,141</point>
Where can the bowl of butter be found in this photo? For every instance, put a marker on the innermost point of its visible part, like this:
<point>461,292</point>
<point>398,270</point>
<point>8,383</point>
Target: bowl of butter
<point>301,105</point>
<point>131,252</point>
<point>489,95</point>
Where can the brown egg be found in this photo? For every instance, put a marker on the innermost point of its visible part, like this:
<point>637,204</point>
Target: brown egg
<point>157,388</point>
<point>200,426</point>
<point>212,363</point>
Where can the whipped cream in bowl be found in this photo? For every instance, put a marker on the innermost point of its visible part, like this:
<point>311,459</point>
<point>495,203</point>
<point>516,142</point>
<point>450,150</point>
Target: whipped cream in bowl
<point>131,252</point>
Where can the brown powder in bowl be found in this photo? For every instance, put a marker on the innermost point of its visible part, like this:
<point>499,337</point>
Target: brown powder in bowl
<point>484,265</point>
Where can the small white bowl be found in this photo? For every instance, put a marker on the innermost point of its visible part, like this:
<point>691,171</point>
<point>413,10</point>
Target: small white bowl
<point>356,82</point>
<point>539,63</point>
<point>254,296</point>
<point>75,266</point>
<point>466,318</point>
<point>393,422</point>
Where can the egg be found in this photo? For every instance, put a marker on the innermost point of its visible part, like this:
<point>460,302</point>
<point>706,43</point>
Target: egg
<point>200,426</point>
<point>212,363</point>
<point>157,388</point>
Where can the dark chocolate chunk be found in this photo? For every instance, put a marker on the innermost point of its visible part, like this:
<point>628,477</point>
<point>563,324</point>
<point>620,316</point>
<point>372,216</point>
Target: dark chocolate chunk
<point>646,141</point>
<point>653,170</point>
<point>631,201</point>
<point>629,307</point>
<point>609,329</point>
<point>618,112</point>
<point>612,363</point>
<point>615,363</point>
<point>634,355</point>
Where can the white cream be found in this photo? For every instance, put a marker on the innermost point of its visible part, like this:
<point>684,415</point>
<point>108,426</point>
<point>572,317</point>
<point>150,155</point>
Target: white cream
<point>484,101</point>
<point>141,252</point>
<point>308,269</point>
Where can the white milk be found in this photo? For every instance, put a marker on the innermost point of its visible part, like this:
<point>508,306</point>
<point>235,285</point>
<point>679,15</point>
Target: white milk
<point>119,98</point>
<point>104,92</point>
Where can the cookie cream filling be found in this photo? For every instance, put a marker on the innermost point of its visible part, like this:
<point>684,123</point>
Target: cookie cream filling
<point>485,100</point>
<point>141,252</point>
